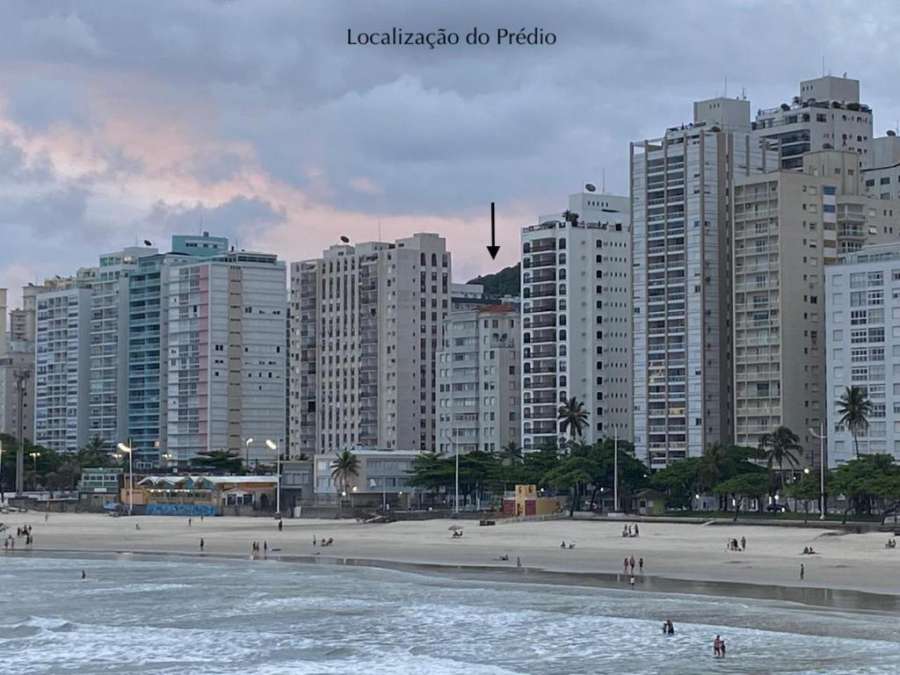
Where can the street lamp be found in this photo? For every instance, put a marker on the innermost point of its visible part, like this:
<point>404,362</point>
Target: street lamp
<point>616,468</point>
<point>34,456</point>
<point>247,453</point>
<point>821,436</point>
<point>124,448</point>
<point>271,445</point>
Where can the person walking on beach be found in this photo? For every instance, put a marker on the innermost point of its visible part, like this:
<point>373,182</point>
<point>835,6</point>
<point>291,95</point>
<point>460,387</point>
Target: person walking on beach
<point>636,531</point>
<point>631,581</point>
<point>265,549</point>
<point>280,525</point>
<point>641,565</point>
<point>625,569</point>
<point>201,544</point>
<point>189,522</point>
<point>717,647</point>
<point>802,571</point>
<point>743,543</point>
<point>631,562</point>
<point>314,540</point>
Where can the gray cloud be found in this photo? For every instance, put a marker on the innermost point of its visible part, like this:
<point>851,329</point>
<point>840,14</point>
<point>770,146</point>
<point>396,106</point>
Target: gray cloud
<point>237,218</point>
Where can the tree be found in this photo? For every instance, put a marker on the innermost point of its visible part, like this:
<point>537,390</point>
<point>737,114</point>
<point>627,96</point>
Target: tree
<point>573,474</point>
<point>743,485</point>
<point>680,481</point>
<point>778,447</point>
<point>864,480</point>
<point>344,469</point>
<point>854,407</point>
<point>94,454</point>
<point>806,489</point>
<point>573,418</point>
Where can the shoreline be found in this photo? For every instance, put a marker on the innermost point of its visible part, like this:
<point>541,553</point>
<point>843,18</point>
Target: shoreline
<point>810,597</point>
<point>850,571</point>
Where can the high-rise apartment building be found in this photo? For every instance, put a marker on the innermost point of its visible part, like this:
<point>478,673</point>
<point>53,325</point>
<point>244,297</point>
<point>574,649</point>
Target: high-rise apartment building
<point>365,330</point>
<point>681,187</point>
<point>478,380</point>
<point>62,368</point>
<point>226,352</point>
<point>863,348</point>
<point>825,115</point>
<point>108,391</point>
<point>148,343</point>
<point>576,313</point>
<point>882,177</point>
<point>785,231</point>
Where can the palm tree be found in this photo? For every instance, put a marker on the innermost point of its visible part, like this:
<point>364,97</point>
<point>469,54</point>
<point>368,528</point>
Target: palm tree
<point>573,417</point>
<point>778,447</point>
<point>854,408</point>
<point>344,469</point>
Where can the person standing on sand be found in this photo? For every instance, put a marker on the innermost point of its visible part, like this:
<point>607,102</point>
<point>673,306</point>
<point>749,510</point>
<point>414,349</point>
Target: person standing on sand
<point>641,564</point>
<point>625,568</point>
<point>743,543</point>
<point>631,562</point>
<point>717,647</point>
<point>314,540</point>
<point>802,571</point>
<point>189,522</point>
<point>631,581</point>
<point>201,544</point>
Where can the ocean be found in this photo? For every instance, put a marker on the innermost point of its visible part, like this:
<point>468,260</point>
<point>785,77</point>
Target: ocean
<point>185,616</point>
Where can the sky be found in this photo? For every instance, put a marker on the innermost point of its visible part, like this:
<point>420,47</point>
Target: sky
<point>254,119</point>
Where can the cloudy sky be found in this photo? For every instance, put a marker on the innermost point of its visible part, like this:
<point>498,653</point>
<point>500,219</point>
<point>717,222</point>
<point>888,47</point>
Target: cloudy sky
<point>121,121</point>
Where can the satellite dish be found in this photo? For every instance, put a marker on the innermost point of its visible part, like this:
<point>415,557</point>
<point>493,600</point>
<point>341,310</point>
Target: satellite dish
<point>590,187</point>
<point>345,239</point>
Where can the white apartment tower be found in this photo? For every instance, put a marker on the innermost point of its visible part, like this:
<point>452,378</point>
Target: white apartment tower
<point>681,186</point>
<point>478,380</point>
<point>862,330</point>
<point>62,367</point>
<point>225,365</point>
<point>576,309</point>
<point>825,115</point>
<point>365,331</point>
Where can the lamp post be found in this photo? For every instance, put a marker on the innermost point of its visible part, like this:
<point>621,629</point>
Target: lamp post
<point>34,456</point>
<point>247,453</point>
<point>2,495</point>
<point>127,449</point>
<point>21,376</point>
<point>271,445</point>
<point>456,448</point>
<point>823,504</point>
<point>616,468</point>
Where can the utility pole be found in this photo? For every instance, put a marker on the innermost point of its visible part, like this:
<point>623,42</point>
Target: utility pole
<point>21,376</point>
<point>616,468</point>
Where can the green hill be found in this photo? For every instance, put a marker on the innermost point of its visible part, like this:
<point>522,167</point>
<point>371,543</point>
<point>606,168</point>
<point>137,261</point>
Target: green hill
<point>504,282</point>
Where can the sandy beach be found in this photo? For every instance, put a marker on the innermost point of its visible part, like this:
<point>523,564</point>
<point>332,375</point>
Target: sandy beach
<point>671,551</point>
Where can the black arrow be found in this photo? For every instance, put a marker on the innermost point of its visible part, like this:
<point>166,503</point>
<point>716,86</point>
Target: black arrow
<point>493,248</point>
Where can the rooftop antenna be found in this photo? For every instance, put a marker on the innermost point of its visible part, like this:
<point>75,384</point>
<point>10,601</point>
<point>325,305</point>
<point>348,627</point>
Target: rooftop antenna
<point>726,87</point>
<point>603,181</point>
<point>823,65</point>
<point>379,229</point>
<point>743,93</point>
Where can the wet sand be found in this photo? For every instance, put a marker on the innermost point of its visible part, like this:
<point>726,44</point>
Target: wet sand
<point>849,570</point>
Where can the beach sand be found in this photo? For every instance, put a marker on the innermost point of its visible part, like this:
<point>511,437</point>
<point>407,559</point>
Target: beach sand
<point>671,551</point>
